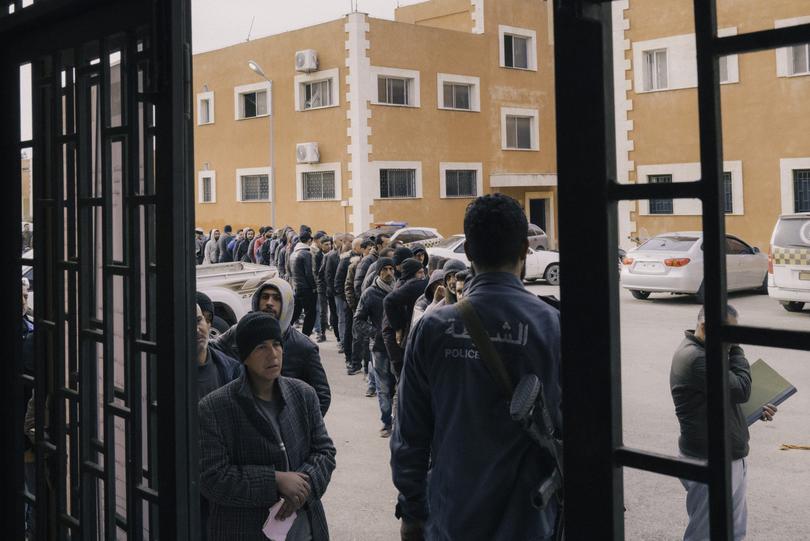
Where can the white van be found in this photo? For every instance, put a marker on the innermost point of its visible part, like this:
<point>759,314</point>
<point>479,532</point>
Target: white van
<point>789,262</point>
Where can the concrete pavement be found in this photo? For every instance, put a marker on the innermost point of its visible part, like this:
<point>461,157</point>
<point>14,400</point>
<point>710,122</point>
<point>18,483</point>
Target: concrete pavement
<point>360,499</point>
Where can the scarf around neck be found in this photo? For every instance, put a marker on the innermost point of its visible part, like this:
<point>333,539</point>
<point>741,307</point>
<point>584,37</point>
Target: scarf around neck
<point>388,288</point>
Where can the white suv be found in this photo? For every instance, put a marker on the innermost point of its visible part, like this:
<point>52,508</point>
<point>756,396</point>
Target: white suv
<point>789,262</point>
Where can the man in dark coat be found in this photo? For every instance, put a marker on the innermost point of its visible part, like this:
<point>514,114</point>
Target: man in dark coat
<point>263,440</point>
<point>329,266</point>
<point>399,309</point>
<point>368,320</point>
<point>302,359</point>
<point>344,312</point>
<point>380,243</point>
<point>214,367</point>
<point>323,247</point>
<point>371,274</point>
<point>222,244</point>
<point>306,291</point>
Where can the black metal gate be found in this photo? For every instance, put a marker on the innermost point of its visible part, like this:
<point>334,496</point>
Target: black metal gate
<point>588,191</point>
<point>115,450</point>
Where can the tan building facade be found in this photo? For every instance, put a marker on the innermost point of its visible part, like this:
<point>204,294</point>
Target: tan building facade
<point>403,120</point>
<point>764,107</point>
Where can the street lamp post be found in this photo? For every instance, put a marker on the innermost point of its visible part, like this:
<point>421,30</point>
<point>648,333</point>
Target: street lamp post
<point>255,68</point>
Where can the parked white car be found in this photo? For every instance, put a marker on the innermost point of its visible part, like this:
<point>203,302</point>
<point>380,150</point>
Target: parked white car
<point>230,287</point>
<point>426,236</point>
<point>540,264</point>
<point>673,263</point>
<point>789,262</point>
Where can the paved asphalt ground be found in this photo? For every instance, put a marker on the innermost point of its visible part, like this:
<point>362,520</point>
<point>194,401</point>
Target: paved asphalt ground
<point>360,499</point>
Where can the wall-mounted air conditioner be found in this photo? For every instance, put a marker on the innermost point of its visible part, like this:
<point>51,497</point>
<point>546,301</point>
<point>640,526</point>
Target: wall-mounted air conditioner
<point>307,153</point>
<point>306,61</point>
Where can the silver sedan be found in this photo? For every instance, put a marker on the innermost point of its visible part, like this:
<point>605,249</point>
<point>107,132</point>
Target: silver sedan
<point>673,263</point>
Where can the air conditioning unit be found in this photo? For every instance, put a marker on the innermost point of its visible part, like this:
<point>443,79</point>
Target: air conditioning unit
<point>307,153</point>
<point>306,60</point>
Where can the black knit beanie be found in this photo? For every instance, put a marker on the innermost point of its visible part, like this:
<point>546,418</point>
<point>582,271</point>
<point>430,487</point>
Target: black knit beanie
<point>410,267</point>
<point>253,329</point>
<point>384,262</point>
<point>401,254</point>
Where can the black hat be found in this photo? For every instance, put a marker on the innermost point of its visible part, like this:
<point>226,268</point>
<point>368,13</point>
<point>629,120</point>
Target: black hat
<point>384,262</point>
<point>205,304</point>
<point>253,329</point>
<point>304,228</point>
<point>227,229</point>
<point>452,266</point>
<point>410,267</point>
<point>401,254</point>
<point>305,237</point>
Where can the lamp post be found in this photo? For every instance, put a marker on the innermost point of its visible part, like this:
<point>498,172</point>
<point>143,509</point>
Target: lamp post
<point>257,69</point>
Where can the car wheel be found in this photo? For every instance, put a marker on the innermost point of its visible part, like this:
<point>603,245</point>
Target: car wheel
<point>552,274</point>
<point>700,295</point>
<point>640,295</point>
<point>793,306</point>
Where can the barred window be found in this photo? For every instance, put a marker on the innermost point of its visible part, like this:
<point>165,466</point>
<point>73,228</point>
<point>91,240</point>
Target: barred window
<point>255,187</point>
<point>397,183</point>
<point>461,183</point>
<point>318,185</point>
<point>801,190</point>
<point>728,201</point>
<point>207,191</point>
<point>660,206</point>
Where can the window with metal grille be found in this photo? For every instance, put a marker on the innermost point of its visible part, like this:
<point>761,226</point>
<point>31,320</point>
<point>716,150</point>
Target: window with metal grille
<point>318,185</point>
<point>800,59</point>
<point>728,193</point>
<point>394,90</point>
<point>655,69</point>
<point>516,51</point>
<point>253,103</point>
<point>318,94</point>
<point>801,190</point>
<point>397,183</point>
<point>457,96</point>
<point>519,132</point>
<point>660,206</point>
<point>461,183</point>
<point>207,190</point>
<point>255,188</point>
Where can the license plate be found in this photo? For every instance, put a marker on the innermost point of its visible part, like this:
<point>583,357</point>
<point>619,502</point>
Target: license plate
<point>804,275</point>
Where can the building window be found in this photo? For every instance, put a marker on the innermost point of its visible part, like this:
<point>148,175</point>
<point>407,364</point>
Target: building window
<point>801,190</point>
<point>655,69</point>
<point>397,183</point>
<point>318,185</point>
<point>318,94</point>
<point>252,100</point>
<point>728,193</point>
<point>207,187</point>
<point>394,90</point>
<point>205,108</point>
<point>457,96</point>
<point>660,206</point>
<point>253,184</point>
<point>518,132</point>
<point>517,47</point>
<point>461,183</point>
<point>723,69</point>
<point>799,59</point>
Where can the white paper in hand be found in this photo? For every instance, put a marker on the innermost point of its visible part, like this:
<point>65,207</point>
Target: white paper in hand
<point>274,529</point>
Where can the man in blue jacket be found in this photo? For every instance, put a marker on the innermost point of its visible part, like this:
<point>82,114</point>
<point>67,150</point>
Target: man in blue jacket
<point>452,419</point>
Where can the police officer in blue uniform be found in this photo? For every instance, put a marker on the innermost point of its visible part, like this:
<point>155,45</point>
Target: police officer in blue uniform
<point>453,420</point>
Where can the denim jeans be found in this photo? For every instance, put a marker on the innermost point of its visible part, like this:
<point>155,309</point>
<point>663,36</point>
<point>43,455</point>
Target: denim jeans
<point>318,328</point>
<point>386,384</point>
<point>372,378</point>
<point>343,319</point>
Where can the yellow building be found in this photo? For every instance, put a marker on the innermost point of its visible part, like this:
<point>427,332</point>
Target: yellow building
<point>764,106</point>
<point>376,120</point>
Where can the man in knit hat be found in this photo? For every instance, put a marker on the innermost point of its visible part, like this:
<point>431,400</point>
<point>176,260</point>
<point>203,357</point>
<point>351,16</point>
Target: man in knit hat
<point>398,307</point>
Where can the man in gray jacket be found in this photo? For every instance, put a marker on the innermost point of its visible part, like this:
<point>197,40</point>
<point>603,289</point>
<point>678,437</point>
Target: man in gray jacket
<point>687,381</point>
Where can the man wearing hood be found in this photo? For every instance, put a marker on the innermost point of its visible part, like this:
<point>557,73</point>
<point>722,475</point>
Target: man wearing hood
<point>212,248</point>
<point>306,296</point>
<point>401,254</point>
<point>434,293</point>
<point>368,319</point>
<point>302,359</point>
<point>451,267</point>
<point>398,307</point>
<point>380,243</point>
<point>421,255</point>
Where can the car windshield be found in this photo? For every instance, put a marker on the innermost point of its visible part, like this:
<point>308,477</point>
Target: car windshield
<point>792,232</point>
<point>447,243</point>
<point>668,244</point>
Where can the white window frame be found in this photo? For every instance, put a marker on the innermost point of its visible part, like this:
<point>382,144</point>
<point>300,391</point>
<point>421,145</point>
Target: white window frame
<point>475,90</point>
<point>300,169</point>
<point>655,84</point>
<point>531,46</point>
<point>375,170</point>
<point>413,87</point>
<point>254,171</point>
<point>200,176</point>
<point>784,55</point>
<point>786,168</point>
<point>202,96</point>
<point>732,61</point>
<point>332,75</point>
<point>444,167</point>
<point>686,172</point>
<point>534,131</point>
<point>238,91</point>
